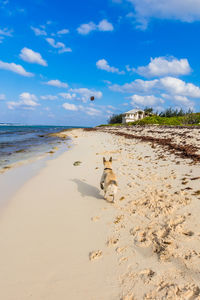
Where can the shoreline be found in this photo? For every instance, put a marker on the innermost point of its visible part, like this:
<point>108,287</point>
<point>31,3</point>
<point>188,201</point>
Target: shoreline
<point>34,151</point>
<point>22,171</point>
<point>39,155</point>
<point>59,238</point>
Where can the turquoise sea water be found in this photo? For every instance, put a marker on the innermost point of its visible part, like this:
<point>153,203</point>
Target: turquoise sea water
<point>19,142</point>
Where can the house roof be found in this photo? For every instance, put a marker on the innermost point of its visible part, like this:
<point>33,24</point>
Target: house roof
<point>132,111</point>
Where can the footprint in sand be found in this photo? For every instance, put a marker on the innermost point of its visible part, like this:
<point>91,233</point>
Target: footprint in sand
<point>112,241</point>
<point>121,249</point>
<point>95,254</point>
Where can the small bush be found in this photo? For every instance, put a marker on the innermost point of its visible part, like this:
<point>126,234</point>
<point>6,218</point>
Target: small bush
<point>191,119</point>
<point>115,119</point>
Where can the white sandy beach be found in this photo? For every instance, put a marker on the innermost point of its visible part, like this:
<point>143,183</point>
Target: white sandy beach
<point>147,242</point>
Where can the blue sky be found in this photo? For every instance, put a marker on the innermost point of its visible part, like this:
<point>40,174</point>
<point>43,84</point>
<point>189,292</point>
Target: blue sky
<point>127,53</point>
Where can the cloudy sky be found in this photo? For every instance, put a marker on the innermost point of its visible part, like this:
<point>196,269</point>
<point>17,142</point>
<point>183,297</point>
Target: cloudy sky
<point>55,55</point>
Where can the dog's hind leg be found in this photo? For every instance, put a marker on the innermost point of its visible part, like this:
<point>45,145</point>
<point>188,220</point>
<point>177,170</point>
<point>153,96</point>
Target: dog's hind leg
<point>102,181</point>
<point>105,195</point>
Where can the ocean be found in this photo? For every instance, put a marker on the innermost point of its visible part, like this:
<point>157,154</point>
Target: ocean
<point>19,142</point>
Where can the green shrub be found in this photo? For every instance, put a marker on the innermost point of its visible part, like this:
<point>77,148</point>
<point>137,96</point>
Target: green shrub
<point>115,119</point>
<point>191,119</point>
<point>159,120</point>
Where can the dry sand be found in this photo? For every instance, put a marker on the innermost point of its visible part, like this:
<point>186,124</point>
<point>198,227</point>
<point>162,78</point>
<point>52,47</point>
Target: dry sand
<point>59,239</point>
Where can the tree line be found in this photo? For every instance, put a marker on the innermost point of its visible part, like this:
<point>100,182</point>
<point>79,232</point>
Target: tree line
<point>168,113</point>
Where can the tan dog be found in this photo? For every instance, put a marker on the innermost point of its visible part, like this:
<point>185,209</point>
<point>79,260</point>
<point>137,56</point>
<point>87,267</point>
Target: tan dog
<point>108,181</point>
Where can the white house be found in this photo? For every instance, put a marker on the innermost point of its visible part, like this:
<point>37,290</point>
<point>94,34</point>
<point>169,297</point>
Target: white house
<point>133,115</point>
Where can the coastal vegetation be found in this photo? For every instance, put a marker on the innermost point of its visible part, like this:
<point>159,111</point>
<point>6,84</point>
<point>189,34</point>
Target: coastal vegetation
<point>115,119</point>
<point>168,117</point>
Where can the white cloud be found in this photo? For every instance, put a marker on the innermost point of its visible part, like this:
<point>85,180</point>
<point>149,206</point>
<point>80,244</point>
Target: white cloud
<point>149,100</point>
<point>69,106</point>
<point>67,96</point>
<point>2,97</point>
<point>81,94</point>
<point>32,56</point>
<point>61,46</point>
<point>138,85</point>
<point>182,101</point>
<point>103,25</point>
<point>152,92</point>
<point>5,32</point>
<point>182,10</point>
<point>102,64</point>
<point>63,31</point>
<point>38,31</point>
<point>85,94</point>
<point>161,66</point>
<point>57,83</point>
<point>168,85</point>
<point>86,28</point>
<point>92,111</point>
<point>177,86</point>
<point>27,100</point>
<point>49,97</point>
<point>15,68</point>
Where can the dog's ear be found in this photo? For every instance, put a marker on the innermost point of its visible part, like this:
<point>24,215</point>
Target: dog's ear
<point>104,160</point>
<point>110,159</point>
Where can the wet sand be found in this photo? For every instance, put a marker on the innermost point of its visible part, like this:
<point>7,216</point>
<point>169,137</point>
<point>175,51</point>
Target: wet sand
<point>60,239</point>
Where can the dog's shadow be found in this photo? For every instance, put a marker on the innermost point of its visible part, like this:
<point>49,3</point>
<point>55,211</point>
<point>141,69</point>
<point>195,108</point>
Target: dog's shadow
<point>86,189</point>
